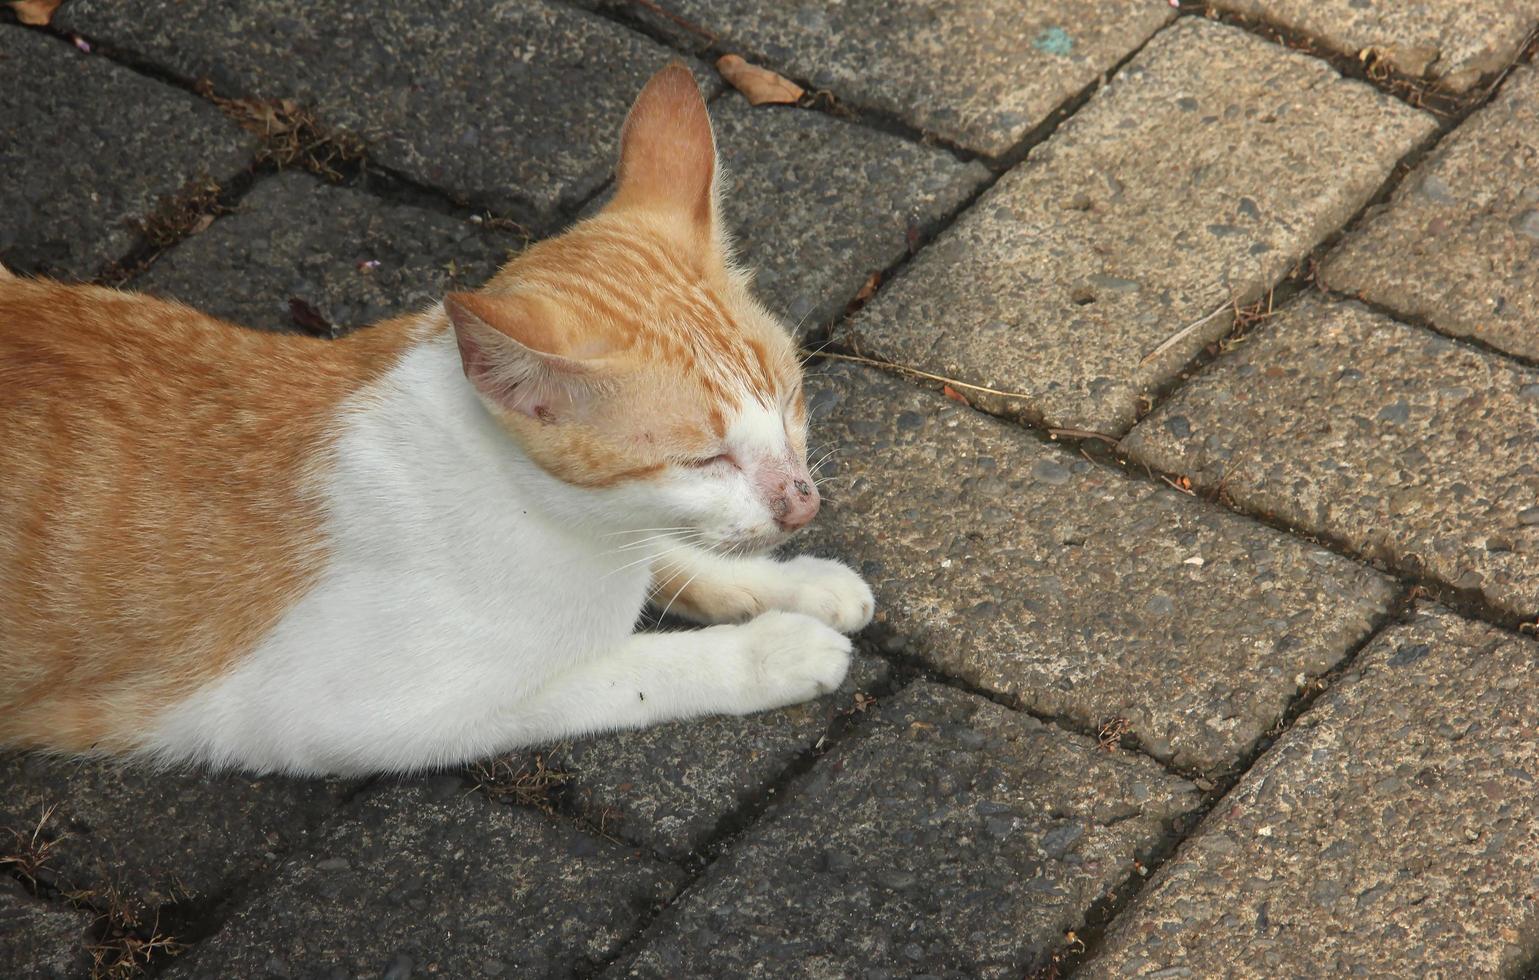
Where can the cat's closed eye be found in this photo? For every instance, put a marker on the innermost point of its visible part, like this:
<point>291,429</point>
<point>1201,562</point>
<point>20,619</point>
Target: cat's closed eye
<point>705,461</point>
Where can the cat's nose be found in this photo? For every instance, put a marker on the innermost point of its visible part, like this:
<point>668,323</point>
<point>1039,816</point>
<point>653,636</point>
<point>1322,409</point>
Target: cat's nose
<point>797,504</point>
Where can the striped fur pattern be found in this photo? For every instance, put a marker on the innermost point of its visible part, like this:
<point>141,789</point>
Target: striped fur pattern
<point>428,541</point>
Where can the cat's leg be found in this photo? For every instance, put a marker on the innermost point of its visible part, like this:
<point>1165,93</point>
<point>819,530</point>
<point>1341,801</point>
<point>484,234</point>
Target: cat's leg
<point>774,660</point>
<point>710,588</point>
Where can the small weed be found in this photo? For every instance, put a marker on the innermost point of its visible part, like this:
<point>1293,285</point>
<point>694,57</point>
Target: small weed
<point>188,211</point>
<point>1111,732</point>
<point>524,780</point>
<point>30,849</point>
<point>128,937</point>
<point>291,134</point>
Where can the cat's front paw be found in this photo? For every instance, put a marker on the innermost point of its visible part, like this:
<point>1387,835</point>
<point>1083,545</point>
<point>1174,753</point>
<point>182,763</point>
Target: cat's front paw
<point>830,591</point>
<point>791,658</point>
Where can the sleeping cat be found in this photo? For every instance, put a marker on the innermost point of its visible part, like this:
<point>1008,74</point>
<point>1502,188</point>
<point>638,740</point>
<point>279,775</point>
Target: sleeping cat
<point>431,540</point>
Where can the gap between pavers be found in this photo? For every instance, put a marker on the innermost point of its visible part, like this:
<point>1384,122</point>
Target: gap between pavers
<point>1070,588</point>
<point>946,836</point>
<point>1390,832</point>
<point>1452,46</point>
<point>670,788</point>
<point>81,176</point>
<point>514,105</point>
<point>352,258</point>
<point>1094,271</point>
<point>980,75</point>
<point>424,877</point>
<point>1458,245</point>
<point>1405,446</point>
<point>157,838</point>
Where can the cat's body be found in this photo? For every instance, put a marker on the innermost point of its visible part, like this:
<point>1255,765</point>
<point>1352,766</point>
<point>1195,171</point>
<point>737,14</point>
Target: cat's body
<point>430,540</point>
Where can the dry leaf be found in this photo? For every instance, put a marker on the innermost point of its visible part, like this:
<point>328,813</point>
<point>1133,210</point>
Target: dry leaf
<point>868,290</point>
<point>308,318</point>
<point>762,86</point>
<point>955,395</point>
<point>35,13</point>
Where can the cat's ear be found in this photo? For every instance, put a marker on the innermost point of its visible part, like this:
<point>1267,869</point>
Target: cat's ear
<point>509,352</point>
<point>667,150</point>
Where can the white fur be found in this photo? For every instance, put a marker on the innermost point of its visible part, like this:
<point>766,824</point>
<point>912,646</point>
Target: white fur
<point>472,603</point>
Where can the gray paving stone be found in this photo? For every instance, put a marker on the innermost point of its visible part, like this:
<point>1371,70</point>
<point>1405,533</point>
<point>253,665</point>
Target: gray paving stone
<point>296,237</point>
<point>1458,246</point>
<point>158,837</point>
<point>819,203</point>
<point>668,788</point>
<point>78,172</point>
<point>980,74</point>
<point>1407,446</point>
<point>1203,172</point>
<point>1455,44</point>
<point>40,940</point>
<point>515,105</point>
<point>1391,832</point>
<point>1034,573</point>
<point>950,837</point>
<point>430,880</point>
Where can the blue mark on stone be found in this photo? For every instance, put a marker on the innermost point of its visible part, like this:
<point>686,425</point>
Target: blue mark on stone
<point>1054,40</point>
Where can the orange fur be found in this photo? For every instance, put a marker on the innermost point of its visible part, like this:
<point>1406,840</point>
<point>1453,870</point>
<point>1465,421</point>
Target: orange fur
<point>155,518</point>
<point>160,469</point>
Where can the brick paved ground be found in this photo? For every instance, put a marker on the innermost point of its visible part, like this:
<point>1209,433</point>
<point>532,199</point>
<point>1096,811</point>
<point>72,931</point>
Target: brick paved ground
<point>1207,591</point>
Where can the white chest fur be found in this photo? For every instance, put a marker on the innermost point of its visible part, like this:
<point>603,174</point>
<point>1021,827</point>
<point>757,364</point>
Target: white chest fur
<point>449,593</point>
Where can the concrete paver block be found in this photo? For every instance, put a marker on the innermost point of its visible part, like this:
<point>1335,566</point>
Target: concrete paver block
<point>1202,174</point>
<point>1390,832</point>
<point>1405,445</point>
<point>949,837</point>
<point>1458,246</point>
<point>1034,573</point>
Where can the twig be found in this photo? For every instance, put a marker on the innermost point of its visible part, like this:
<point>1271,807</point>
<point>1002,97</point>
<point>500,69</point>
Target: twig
<point>667,14</point>
<point>904,369</point>
<point>1082,434</point>
<point>1182,334</point>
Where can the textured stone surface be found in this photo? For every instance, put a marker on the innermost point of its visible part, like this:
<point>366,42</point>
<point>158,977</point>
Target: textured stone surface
<point>1459,244</point>
<point>295,237</point>
<point>1202,173</point>
<point>1034,573</point>
<point>980,74</point>
<point>1401,443</point>
<point>78,172</point>
<point>952,837</point>
<point>158,836</point>
<point>1391,832</point>
<point>668,788</point>
<point>1455,44</point>
<point>515,104</point>
<point>40,940</point>
<point>819,203</point>
<point>430,880</point>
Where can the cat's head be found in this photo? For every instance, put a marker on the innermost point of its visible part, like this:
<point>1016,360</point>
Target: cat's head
<point>629,359</point>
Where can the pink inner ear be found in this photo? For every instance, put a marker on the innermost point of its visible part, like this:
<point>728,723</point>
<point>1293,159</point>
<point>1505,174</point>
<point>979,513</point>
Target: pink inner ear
<point>505,371</point>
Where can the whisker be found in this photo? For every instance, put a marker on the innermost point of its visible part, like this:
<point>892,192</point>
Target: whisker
<point>646,558</point>
<point>646,530</point>
<point>633,545</point>
<point>664,613</point>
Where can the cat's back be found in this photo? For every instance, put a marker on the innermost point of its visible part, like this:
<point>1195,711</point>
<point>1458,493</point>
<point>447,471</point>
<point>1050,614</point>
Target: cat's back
<point>156,504</point>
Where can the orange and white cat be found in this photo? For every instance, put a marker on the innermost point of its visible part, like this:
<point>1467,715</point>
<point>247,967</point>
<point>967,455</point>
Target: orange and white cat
<point>428,541</point>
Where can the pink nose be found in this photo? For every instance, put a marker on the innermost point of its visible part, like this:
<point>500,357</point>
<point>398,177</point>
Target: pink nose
<point>796,504</point>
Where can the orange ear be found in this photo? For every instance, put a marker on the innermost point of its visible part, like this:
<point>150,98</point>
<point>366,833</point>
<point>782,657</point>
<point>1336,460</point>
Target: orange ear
<point>505,345</point>
<point>667,151</point>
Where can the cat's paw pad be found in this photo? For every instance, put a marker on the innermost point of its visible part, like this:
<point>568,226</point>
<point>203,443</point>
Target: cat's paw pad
<point>830,591</point>
<point>792,658</point>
